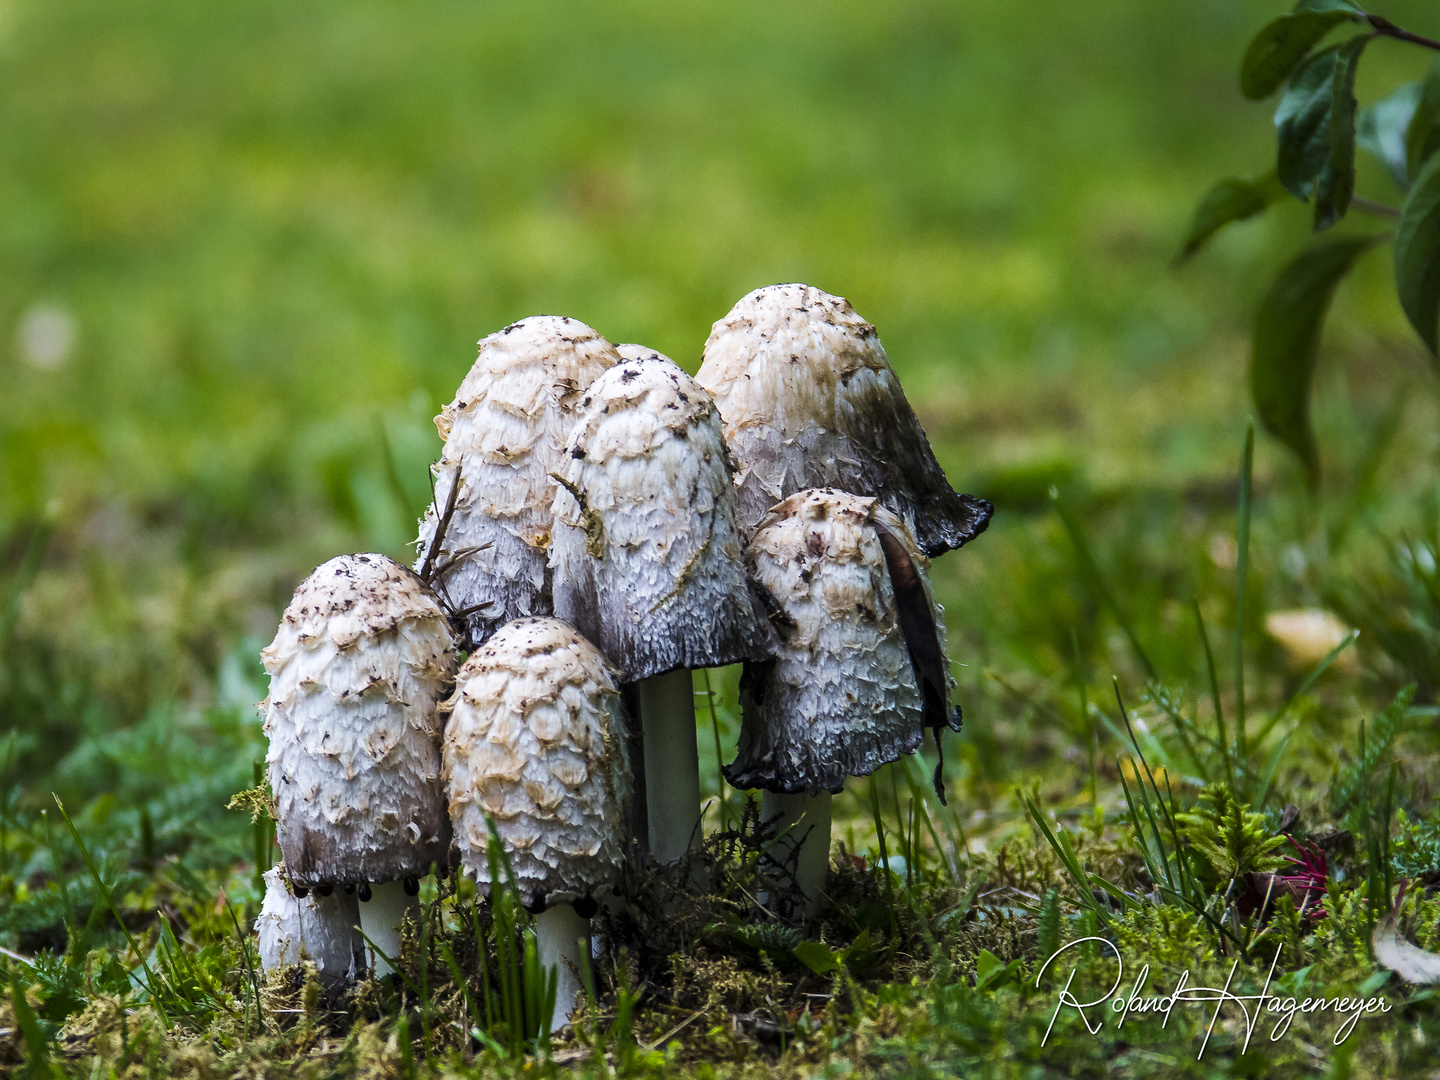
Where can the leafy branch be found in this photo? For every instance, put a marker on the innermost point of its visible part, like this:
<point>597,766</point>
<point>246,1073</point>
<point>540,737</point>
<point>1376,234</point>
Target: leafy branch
<point>1318,127</point>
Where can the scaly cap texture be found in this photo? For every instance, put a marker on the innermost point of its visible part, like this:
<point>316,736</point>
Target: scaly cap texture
<point>318,928</point>
<point>849,689</point>
<point>646,554</point>
<point>362,657</point>
<point>809,400</point>
<point>504,434</point>
<point>537,741</point>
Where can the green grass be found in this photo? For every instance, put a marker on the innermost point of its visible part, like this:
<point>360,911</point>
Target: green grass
<point>276,232</point>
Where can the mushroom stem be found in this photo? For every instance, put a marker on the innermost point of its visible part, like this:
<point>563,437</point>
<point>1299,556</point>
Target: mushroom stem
<point>320,928</point>
<point>380,919</point>
<point>672,763</point>
<point>560,935</point>
<point>807,817</point>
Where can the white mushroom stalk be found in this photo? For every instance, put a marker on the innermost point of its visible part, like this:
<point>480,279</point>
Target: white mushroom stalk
<point>318,928</point>
<point>362,657</point>
<point>809,400</point>
<point>537,743</point>
<point>860,670</point>
<point>504,434</point>
<point>648,564</point>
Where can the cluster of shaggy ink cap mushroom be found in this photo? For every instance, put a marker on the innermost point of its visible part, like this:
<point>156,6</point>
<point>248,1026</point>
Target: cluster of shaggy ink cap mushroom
<point>603,524</point>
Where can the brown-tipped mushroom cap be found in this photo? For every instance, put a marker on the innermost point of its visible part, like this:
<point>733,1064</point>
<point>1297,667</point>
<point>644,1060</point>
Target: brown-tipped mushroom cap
<point>646,554</point>
<point>505,432</point>
<point>362,657</point>
<point>809,400</point>
<point>861,668</point>
<point>537,741</point>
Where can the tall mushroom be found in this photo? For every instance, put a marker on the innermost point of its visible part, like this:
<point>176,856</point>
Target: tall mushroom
<point>809,400</point>
<point>504,434</point>
<point>312,927</point>
<point>860,670</point>
<point>536,743</point>
<point>362,657</point>
<point>648,564</point>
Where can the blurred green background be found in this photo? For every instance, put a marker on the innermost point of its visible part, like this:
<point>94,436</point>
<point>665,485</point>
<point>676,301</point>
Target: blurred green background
<point>246,250</point>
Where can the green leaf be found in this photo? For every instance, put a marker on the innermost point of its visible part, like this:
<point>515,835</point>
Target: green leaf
<point>1048,932</point>
<point>858,950</point>
<point>816,957</point>
<point>1287,338</point>
<point>1382,128</point>
<point>1279,47</point>
<point>1417,254</point>
<point>991,972</point>
<point>1422,137</point>
<point>1230,201</point>
<point>1337,179</point>
<point>1302,124</point>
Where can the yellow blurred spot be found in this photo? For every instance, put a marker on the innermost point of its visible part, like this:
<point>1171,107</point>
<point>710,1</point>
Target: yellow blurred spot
<point>1134,773</point>
<point>1307,635</point>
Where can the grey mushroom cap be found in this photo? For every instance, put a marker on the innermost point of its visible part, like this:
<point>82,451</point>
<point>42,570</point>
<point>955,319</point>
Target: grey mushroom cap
<point>537,743</point>
<point>861,668</point>
<point>646,554</point>
<point>504,435</point>
<point>362,658</point>
<point>809,400</point>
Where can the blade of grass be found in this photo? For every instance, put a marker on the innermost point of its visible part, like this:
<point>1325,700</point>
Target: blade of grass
<point>1091,570</point>
<point>245,951</point>
<point>709,694</point>
<point>1268,778</point>
<point>1242,566</point>
<point>104,891</point>
<point>393,961</point>
<point>29,1026</point>
<point>917,797</point>
<point>1315,673</point>
<point>1148,853</point>
<point>880,843</point>
<point>1092,737</point>
<point>72,928</point>
<point>1160,799</point>
<point>483,954</point>
<point>1067,857</point>
<point>1215,693</point>
<point>471,1005</point>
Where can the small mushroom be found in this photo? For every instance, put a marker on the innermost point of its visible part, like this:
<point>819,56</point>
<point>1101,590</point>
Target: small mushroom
<point>536,743</point>
<point>860,670</point>
<point>809,400</point>
<point>362,657</point>
<point>319,928</point>
<point>504,434</point>
<point>648,564</point>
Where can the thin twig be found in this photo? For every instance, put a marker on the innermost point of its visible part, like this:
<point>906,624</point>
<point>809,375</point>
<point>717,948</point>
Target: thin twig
<point>647,1047</point>
<point>1384,26</point>
<point>1376,209</point>
<point>442,524</point>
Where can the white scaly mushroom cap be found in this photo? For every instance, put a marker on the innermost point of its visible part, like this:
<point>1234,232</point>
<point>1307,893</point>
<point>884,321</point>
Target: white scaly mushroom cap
<point>646,554</point>
<point>505,432</point>
<point>537,741</point>
<point>318,928</point>
<point>809,400</point>
<point>841,697</point>
<point>362,657</point>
